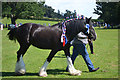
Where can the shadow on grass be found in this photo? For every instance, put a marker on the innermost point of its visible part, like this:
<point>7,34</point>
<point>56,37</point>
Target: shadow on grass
<point>56,72</point>
<point>49,71</point>
<point>85,72</point>
<point>4,74</point>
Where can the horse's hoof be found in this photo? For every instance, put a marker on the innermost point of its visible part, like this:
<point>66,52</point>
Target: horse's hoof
<point>20,72</point>
<point>79,71</point>
<point>76,73</point>
<point>43,74</point>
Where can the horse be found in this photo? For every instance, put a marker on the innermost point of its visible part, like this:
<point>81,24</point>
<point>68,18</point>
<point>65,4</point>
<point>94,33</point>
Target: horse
<point>47,38</point>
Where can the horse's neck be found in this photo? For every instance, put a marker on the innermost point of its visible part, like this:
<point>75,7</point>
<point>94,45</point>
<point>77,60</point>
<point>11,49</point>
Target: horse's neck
<point>70,33</point>
<point>73,30</point>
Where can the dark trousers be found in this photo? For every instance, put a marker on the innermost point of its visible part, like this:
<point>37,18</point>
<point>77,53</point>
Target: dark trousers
<point>91,46</point>
<point>81,49</point>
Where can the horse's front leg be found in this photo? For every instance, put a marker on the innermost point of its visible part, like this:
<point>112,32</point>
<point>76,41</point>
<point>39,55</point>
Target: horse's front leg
<point>42,71</point>
<point>20,66</point>
<point>71,68</point>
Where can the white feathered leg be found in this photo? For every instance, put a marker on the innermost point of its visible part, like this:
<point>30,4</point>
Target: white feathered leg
<point>20,67</point>
<point>71,68</point>
<point>42,71</point>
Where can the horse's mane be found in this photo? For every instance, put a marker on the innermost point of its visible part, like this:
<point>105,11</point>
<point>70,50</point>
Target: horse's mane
<point>73,27</point>
<point>55,25</point>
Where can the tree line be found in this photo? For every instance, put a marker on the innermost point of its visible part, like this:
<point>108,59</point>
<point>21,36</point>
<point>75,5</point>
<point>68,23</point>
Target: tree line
<point>32,10</point>
<point>109,12</point>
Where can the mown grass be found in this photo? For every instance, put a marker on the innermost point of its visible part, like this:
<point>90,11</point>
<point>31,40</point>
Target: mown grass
<point>106,57</point>
<point>8,21</point>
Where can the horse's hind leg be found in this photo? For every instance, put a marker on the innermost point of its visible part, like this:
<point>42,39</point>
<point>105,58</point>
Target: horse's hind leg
<point>70,66</point>
<point>42,71</point>
<point>20,66</point>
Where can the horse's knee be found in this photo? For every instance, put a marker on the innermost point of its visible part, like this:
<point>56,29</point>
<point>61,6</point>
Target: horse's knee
<point>18,56</point>
<point>49,59</point>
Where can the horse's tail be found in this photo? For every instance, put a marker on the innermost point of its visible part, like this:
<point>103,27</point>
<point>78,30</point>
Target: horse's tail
<point>12,34</point>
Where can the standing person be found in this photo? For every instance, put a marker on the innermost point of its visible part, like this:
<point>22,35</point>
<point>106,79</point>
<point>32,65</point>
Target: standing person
<point>79,47</point>
<point>91,45</point>
<point>6,25</point>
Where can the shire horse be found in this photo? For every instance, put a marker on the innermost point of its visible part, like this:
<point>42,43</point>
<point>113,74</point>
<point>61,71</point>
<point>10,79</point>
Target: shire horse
<point>46,38</point>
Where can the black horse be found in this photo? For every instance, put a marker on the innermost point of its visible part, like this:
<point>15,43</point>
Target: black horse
<point>47,38</point>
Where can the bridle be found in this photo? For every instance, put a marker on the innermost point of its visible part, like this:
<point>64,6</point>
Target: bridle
<point>64,39</point>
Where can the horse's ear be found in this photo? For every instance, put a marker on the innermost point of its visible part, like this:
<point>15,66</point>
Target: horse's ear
<point>87,20</point>
<point>90,18</point>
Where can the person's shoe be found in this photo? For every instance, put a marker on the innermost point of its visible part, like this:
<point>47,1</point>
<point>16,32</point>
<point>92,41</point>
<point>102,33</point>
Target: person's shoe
<point>94,69</point>
<point>93,53</point>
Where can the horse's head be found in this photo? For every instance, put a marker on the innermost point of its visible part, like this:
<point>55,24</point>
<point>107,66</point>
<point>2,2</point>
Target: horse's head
<point>75,26</point>
<point>92,33</point>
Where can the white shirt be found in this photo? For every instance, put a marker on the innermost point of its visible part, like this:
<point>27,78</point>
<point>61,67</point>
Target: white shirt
<point>82,37</point>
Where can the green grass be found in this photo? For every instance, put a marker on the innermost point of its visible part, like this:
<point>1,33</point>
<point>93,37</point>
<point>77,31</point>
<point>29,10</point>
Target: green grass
<point>7,21</point>
<point>106,57</point>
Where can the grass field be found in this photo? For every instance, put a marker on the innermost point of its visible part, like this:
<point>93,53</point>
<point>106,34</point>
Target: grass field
<point>106,57</point>
<point>7,21</point>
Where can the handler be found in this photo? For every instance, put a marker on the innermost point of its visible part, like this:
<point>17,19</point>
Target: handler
<point>79,47</point>
<point>91,45</point>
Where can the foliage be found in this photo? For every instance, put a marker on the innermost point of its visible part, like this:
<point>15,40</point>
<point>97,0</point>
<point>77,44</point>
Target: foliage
<point>109,12</point>
<point>17,10</point>
<point>49,11</point>
<point>98,20</point>
<point>70,14</point>
<point>32,10</point>
<point>7,21</point>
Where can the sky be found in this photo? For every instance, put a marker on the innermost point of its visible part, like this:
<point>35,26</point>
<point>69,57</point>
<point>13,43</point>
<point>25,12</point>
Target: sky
<point>82,7</point>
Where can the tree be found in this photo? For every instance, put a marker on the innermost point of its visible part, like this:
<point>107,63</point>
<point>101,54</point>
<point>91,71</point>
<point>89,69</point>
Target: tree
<point>74,14</point>
<point>68,13</point>
<point>15,10</point>
<point>59,15</point>
<point>109,12</point>
<point>49,11</point>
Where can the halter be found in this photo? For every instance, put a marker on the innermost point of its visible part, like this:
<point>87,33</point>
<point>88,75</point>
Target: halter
<point>63,36</point>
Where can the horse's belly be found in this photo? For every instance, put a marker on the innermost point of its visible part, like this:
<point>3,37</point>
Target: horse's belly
<point>47,43</point>
<point>42,46</point>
